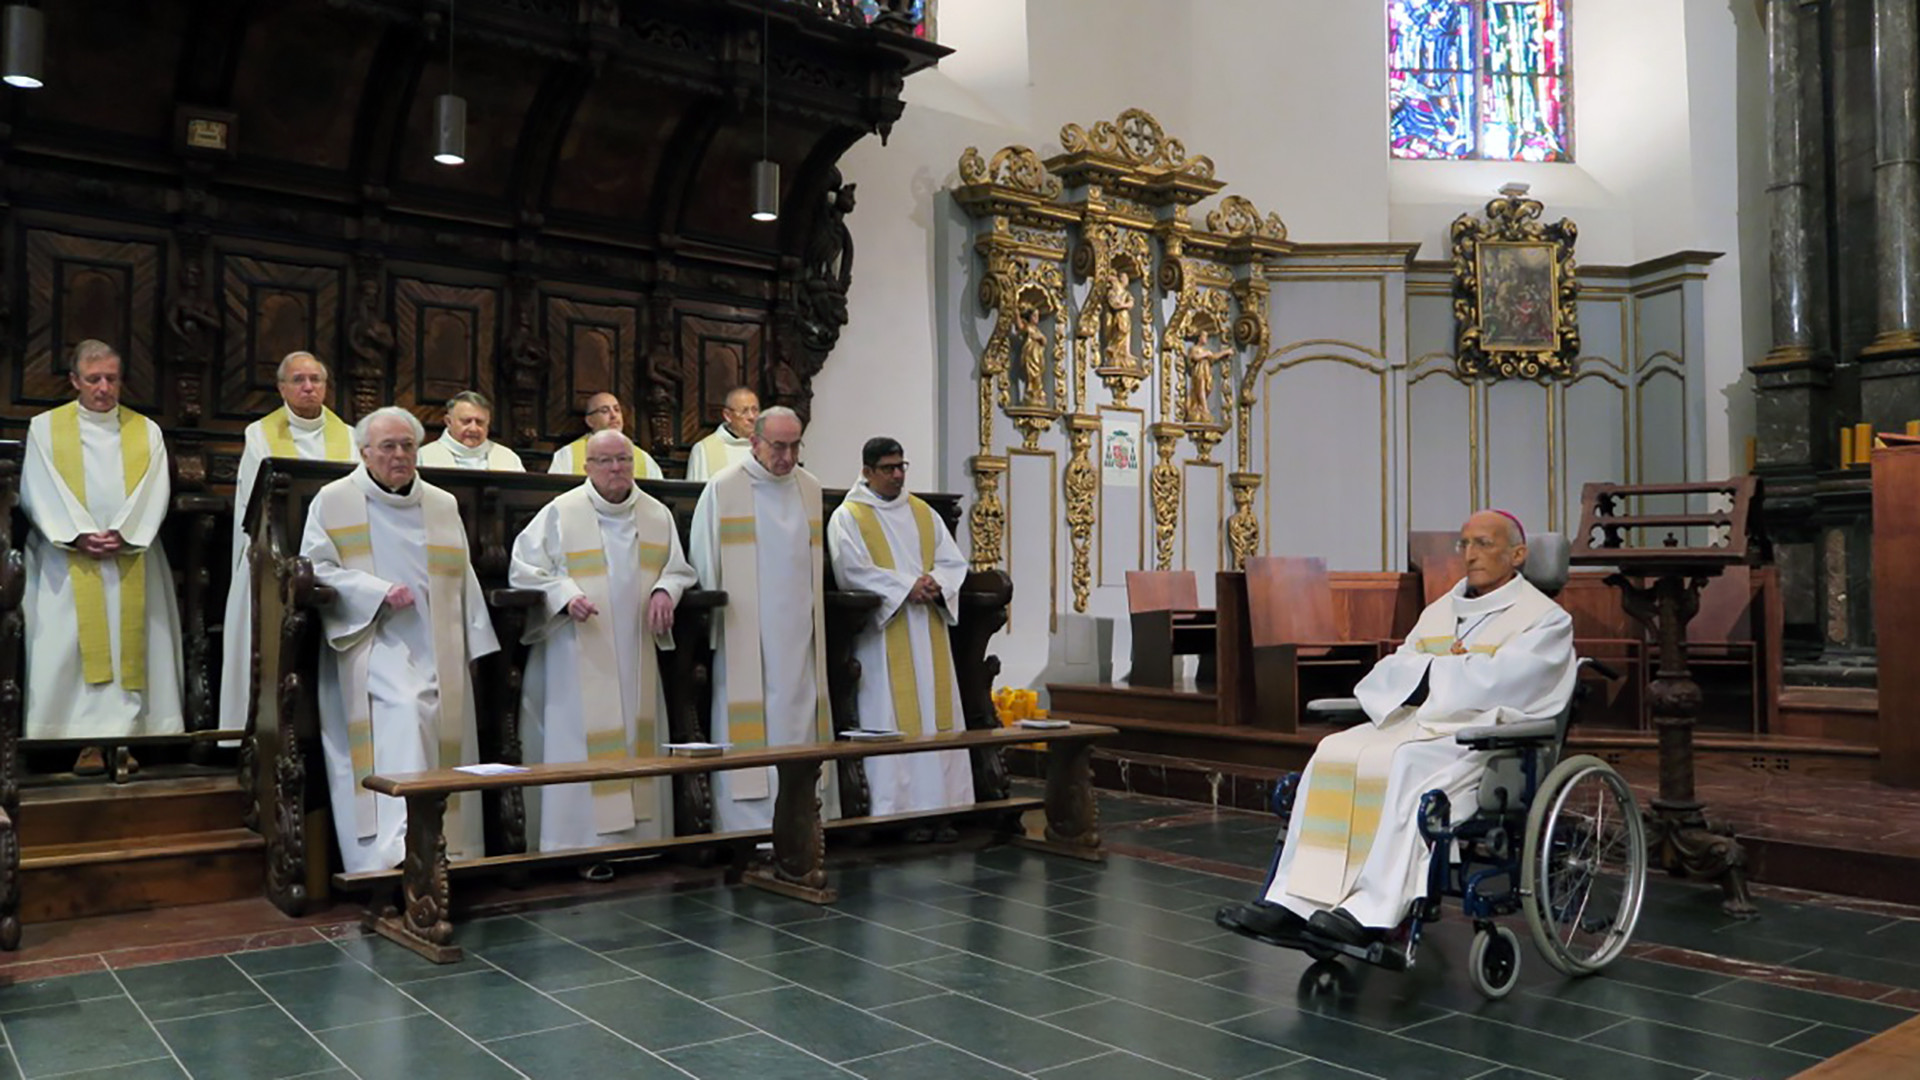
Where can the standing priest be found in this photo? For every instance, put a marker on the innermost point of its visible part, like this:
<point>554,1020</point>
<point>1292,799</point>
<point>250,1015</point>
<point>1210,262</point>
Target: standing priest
<point>302,427</point>
<point>395,695</point>
<point>756,534</point>
<point>731,442</point>
<point>889,542</point>
<point>102,626</point>
<point>606,558</point>
<point>1494,649</point>
<point>465,444</point>
<point>603,414</point>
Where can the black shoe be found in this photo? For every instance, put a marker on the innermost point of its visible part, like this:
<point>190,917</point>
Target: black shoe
<point>946,834</point>
<point>1261,920</point>
<point>919,836</point>
<point>1340,925</point>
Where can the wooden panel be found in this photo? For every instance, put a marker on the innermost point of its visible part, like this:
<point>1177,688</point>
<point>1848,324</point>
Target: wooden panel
<point>272,307</point>
<point>595,345</point>
<point>1595,607</point>
<point>1162,590</point>
<point>445,339</point>
<point>1291,601</point>
<point>1439,563</point>
<point>81,287</point>
<point>1896,609</point>
<point>1374,605</point>
<point>719,349</point>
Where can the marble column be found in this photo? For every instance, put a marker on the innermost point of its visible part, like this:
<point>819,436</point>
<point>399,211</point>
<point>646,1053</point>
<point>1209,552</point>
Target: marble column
<point>1890,367</point>
<point>1792,382</point>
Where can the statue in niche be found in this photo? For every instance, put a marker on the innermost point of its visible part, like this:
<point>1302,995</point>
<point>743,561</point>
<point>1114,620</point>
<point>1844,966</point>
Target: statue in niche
<point>828,272</point>
<point>1200,362</point>
<point>370,336</point>
<point>1033,359</point>
<point>1120,322</point>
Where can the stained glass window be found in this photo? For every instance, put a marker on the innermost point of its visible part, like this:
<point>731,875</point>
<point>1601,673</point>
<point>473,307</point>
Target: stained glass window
<point>1483,79</point>
<point>916,10</point>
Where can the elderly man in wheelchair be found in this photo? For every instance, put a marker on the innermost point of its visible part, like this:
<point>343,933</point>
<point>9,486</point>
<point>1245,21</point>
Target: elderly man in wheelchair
<point>1450,788</point>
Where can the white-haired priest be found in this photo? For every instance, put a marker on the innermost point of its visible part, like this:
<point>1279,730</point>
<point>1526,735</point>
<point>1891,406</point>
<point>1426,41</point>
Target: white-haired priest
<point>732,442</point>
<point>395,694</point>
<point>606,558</point>
<point>467,442</point>
<point>302,427</point>
<point>1494,649</point>
<point>102,626</point>
<point>756,534</point>
<point>886,541</point>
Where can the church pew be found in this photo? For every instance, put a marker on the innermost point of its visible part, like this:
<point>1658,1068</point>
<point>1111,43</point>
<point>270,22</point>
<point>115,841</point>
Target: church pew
<point>797,867</point>
<point>279,755</point>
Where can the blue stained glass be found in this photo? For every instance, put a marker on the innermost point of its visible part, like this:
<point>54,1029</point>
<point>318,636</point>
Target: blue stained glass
<point>1512,51</point>
<point>1431,115</point>
<point>916,10</point>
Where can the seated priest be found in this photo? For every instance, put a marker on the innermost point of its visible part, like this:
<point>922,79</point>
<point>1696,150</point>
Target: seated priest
<point>102,624</point>
<point>730,443</point>
<point>603,414</point>
<point>408,617</point>
<point>1493,650</point>
<point>606,558</point>
<point>756,534</point>
<point>465,443</point>
<point>886,541</point>
<point>302,427</point>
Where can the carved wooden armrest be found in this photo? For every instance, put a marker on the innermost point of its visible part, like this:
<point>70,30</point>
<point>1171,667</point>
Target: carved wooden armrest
<point>305,589</point>
<point>200,503</point>
<point>702,599</point>
<point>851,602</point>
<point>514,598</point>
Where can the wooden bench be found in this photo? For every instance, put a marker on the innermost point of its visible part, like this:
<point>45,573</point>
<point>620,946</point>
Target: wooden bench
<point>798,866</point>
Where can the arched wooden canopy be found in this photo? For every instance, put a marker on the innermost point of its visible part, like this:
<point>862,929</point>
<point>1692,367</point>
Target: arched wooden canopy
<point>209,184</point>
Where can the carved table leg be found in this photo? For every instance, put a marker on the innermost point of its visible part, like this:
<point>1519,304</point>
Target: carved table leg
<point>422,923</point>
<point>1073,819</point>
<point>799,839</point>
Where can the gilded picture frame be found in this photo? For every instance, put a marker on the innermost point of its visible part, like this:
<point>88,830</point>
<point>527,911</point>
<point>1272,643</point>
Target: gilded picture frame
<point>1515,293</point>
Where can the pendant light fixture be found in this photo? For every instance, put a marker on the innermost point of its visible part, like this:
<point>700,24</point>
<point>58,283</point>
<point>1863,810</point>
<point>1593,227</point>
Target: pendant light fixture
<point>766,171</point>
<point>21,53</point>
<point>450,113</point>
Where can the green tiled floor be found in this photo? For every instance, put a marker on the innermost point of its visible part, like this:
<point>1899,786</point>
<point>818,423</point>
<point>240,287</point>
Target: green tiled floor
<point>1001,963</point>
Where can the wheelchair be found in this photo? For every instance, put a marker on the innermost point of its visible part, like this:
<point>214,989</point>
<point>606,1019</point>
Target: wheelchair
<point>1558,839</point>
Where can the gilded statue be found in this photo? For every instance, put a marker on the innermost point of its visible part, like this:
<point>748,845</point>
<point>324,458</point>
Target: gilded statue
<point>1120,322</point>
<point>1200,362</point>
<point>1033,359</point>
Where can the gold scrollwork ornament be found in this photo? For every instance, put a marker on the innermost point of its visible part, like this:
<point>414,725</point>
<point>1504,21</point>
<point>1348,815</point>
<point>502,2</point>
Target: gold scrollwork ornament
<point>1080,482</point>
<point>1515,292</point>
<point>1243,527</point>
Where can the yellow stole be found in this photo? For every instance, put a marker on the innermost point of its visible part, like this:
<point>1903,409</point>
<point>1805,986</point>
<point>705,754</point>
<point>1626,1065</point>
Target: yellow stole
<point>714,449</point>
<point>277,426</point>
<point>577,457</point>
<point>740,577</point>
<point>89,586</point>
<point>617,804</point>
<point>902,675</point>
<point>342,507</point>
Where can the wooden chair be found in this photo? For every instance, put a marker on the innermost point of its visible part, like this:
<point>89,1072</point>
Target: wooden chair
<point>1168,621</point>
<point>1300,651</point>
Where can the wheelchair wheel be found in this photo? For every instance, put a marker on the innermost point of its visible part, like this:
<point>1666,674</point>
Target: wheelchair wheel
<point>1494,962</point>
<point>1585,866</point>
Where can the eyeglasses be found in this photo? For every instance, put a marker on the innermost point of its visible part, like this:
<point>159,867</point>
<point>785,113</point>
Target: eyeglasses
<point>305,380</point>
<point>896,467</point>
<point>609,462</point>
<point>1475,543</point>
<point>390,446</point>
<point>604,410</point>
<point>782,447</point>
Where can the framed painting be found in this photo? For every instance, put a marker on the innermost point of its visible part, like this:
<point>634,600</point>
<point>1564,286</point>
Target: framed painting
<point>1514,292</point>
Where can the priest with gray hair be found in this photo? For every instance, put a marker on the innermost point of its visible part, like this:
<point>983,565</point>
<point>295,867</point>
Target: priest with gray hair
<point>467,441</point>
<point>407,619</point>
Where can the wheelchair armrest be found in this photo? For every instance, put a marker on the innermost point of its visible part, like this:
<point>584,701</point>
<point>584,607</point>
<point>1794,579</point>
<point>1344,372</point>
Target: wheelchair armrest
<point>1500,736</point>
<point>1336,710</point>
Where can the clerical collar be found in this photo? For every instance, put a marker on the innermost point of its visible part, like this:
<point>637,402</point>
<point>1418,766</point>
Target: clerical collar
<point>726,435</point>
<point>759,472</point>
<point>608,506</point>
<point>1465,606</point>
<point>374,489</point>
<point>462,451</point>
<point>111,416</point>
<point>863,492</point>
<point>301,423</point>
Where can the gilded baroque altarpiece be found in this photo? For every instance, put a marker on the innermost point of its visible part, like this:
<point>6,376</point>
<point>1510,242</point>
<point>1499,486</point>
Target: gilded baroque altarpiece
<point>1103,294</point>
